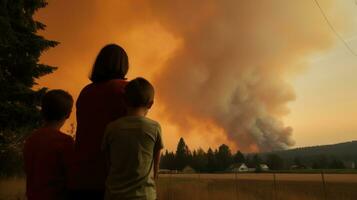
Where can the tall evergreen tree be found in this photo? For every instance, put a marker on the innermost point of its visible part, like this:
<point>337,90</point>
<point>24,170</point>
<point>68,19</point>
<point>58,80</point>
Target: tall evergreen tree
<point>199,160</point>
<point>211,161</point>
<point>168,161</point>
<point>182,155</point>
<point>20,49</point>
<point>256,160</point>
<point>275,162</point>
<point>223,157</point>
<point>238,157</point>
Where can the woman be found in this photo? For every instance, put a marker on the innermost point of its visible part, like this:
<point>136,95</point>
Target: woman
<point>98,104</point>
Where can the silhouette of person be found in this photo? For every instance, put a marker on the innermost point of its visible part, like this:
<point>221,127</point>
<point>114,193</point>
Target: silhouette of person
<point>99,103</point>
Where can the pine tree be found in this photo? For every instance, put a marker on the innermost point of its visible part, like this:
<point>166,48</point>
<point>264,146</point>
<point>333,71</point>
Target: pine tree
<point>182,155</point>
<point>20,49</point>
<point>223,157</point>
<point>256,161</point>
<point>211,161</point>
<point>275,162</point>
<point>199,160</point>
<point>238,157</point>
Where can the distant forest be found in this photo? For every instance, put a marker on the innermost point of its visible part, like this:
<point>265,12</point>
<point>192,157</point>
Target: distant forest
<point>337,156</point>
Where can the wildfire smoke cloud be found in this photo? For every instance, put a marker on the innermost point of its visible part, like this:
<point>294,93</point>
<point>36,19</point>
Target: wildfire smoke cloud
<point>227,63</point>
<point>233,64</point>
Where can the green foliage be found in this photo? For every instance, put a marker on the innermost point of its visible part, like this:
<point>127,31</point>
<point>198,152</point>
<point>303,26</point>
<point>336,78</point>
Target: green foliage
<point>224,156</point>
<point>297,161</point>
<point>336,164</point>
<point>199,160</point>
<point>256,161</point>
<point>20,50</point>
<point>211,161</point>
<point>238,157</point>
<point>346,151</point>
<point>275,162</point>
<point>320,162</point>
<point>167,160</point>
<point>182,155</point>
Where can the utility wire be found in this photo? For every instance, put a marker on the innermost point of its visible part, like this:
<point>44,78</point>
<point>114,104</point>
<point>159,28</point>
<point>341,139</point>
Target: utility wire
<point>334,30</point>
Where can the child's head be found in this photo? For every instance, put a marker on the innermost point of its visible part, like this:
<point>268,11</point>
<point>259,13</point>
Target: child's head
<point>139,93</point>
<point>56,105</point>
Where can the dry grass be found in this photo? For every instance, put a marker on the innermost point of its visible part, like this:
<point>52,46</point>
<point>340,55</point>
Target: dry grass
<point>257,187</point>
<point>226,187</point>
<point>12,189</point>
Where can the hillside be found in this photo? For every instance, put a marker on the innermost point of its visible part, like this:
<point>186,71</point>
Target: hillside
<point>346,151</point>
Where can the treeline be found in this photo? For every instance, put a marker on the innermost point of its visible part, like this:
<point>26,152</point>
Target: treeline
<point>222,158</point>
<point>210,161</point>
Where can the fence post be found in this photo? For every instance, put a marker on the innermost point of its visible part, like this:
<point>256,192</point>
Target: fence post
<point>209,188</point>
<point>198,187</point>
<point>323,184</point>
<point>275,196</point>
<point>236,184</point>
<point>170,186</point>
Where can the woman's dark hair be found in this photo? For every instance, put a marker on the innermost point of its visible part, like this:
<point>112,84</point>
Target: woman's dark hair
<point>111,63</point>
<point>56,105</point>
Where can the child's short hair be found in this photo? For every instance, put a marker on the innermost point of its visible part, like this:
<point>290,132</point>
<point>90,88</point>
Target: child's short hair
<point>56,105</point>
<point>139,93</point>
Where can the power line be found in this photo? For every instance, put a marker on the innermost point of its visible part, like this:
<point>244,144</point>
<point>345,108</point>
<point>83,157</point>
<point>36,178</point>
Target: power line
<point>334,30</point>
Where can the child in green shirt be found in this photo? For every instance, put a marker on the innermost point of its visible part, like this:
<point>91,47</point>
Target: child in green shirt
<point>133,145</point>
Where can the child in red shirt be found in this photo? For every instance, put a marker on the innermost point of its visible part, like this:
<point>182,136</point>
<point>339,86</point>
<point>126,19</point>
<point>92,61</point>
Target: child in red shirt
<point>48,151</point>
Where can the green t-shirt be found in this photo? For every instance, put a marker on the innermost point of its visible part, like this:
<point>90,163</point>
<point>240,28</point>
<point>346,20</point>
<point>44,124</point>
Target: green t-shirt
<point>129,143</point>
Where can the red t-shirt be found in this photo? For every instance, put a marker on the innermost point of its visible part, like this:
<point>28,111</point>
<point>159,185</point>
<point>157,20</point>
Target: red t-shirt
<point>48,155</point>
<point>97,105</point>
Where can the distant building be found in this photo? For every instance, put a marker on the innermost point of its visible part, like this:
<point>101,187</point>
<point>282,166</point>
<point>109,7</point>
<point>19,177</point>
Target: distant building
<point>188,169</point>
<point>238,167</point>
<point>264,167</point>
<point>295,167</point>
<point>349,164</point>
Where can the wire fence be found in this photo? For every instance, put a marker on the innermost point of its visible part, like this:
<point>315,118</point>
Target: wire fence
<point>234,186</point>
<point>257,186</point>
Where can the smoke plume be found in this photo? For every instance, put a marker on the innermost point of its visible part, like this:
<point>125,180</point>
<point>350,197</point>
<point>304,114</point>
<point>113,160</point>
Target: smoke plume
<point>232,65</point>
<point>226,63</point>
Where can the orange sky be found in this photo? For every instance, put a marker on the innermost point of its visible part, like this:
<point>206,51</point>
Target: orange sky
<point>319,69</point>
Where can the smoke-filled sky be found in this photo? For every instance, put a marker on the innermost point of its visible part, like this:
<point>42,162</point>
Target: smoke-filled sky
<point>256,75</point>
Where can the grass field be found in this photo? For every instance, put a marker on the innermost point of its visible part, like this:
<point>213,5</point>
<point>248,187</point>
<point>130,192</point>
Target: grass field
<point>234,187</point>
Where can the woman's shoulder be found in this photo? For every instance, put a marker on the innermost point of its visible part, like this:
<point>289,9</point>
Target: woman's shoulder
<point>87,87</point>
<point>115,84</point>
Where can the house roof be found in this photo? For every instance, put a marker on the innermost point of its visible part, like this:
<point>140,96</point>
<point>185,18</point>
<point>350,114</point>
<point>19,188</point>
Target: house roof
<point>264,166</point>
<point>188,168</point>
<point>237,165</point>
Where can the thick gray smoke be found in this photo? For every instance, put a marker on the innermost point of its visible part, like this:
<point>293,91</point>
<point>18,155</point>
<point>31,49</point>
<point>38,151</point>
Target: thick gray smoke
<point>233,64</point>
<point>231,69</point>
